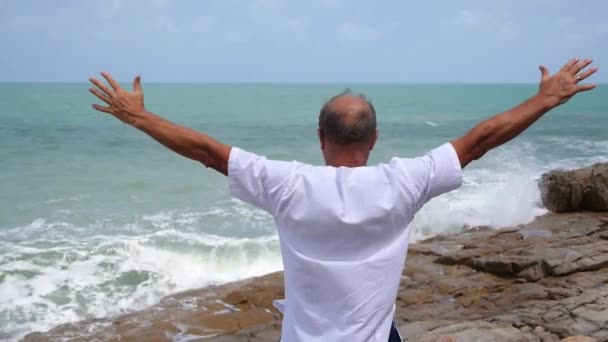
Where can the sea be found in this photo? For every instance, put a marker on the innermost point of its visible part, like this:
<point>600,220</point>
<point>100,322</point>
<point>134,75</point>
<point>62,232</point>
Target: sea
<point>97,219</point>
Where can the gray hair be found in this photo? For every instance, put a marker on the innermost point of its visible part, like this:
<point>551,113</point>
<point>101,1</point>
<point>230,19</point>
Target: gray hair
<point>338,130</point>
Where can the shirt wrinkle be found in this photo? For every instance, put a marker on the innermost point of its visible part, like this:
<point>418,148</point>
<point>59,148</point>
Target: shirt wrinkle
<point>343,234</point>
<point>288,184</point>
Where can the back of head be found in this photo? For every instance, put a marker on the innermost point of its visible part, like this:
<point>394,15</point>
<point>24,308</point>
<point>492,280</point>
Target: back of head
<point>347,129</point>
<point>348,118</point>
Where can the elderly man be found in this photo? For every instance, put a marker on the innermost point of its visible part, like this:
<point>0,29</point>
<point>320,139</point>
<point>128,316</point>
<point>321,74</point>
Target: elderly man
<point>343,227</point>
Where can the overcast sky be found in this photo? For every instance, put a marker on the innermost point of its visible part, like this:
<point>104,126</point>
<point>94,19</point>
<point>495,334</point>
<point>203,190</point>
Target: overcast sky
<point>432,41</point>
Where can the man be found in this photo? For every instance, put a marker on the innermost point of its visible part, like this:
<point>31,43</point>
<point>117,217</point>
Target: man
<point>344,227</point>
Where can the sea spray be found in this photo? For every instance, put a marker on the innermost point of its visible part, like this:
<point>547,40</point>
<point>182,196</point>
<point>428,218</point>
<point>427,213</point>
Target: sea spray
<point>96,219</point>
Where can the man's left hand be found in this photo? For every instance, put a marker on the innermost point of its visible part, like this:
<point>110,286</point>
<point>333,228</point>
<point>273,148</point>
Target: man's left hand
<point>558,88</point>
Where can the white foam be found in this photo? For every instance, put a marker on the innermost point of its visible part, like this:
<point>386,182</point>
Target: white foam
<point>87,279</point>
<point>500,190</point>
<point>77,198</point>
<point>73,271</point>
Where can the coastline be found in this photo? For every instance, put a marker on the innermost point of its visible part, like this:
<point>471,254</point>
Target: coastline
<point>90,244</point>
<point>546,280</point>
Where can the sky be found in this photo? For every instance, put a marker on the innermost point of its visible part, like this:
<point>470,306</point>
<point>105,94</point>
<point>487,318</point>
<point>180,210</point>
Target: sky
<point>402,41</point>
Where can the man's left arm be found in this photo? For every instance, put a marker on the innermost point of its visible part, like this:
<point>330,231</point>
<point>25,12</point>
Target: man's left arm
<point>440,170</point>
<point>554,90</point>
<point>129,108</point>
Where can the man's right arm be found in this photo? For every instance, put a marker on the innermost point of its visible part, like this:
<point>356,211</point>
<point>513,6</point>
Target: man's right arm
<point>553,91</point>
<point>129,108</point>
<point>186,141</point>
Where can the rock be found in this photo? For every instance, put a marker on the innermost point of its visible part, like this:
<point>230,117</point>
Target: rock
<point>579,339</point>
<point>544,281</point>
<point>584,189</point>
<point>477,331</point>
<point>561,251</point>
<point>412,330</point>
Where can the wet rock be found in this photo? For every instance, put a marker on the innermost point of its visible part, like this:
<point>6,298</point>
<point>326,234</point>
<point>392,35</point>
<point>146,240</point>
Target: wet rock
<point>579,339</point>
<point>584,189</point>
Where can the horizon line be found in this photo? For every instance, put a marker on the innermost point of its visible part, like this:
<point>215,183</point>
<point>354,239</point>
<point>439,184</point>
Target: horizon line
<point>286,83</point>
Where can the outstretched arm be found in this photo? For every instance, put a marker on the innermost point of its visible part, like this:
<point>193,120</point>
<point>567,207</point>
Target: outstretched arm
<point>129,108</point>
<point>553,91</point>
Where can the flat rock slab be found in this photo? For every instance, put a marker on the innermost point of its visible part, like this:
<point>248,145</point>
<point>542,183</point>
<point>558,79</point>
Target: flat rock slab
<point>545,281</point>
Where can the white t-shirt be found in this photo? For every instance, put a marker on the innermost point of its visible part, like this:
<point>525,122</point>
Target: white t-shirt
<point>344,234</point>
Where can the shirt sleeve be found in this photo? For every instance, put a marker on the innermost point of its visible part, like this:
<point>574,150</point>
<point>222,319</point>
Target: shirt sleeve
<point>256,180</point>
<point>431,175</point>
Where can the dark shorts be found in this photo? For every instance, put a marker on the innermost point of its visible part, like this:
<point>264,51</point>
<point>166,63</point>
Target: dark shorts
<point>394,336</point>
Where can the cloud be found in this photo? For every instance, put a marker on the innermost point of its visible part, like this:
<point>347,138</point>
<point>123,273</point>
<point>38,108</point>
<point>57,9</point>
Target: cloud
<point>264,5</point>
<point>296,27</point>
<point>330,3</point>
<point>116,6</point>
<point>498,25</point>
<point>28,23</point>
<point>602,28</point>
<point>353,32</point>
<point>159,4</point>
<point>469,19</point>
<point>282,33</point>
<point>295,24</point>
<point>573,37</point>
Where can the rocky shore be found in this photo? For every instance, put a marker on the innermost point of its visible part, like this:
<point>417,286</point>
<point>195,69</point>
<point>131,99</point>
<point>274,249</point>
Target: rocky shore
<point>544,281</point>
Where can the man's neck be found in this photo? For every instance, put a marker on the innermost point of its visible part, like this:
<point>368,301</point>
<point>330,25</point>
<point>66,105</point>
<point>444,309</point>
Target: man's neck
<point>348,159</point>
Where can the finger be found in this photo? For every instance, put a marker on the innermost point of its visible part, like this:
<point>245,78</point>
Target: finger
<point>580,66</point>
<point>584,87</point>
<point>103,97</point>
<point>544,73</point>
<point>585,74</point>
<point>101,86</point>
<point>102,108</point>
<point>111,81</point>
<point>570,64</point>
<point>137,83</point>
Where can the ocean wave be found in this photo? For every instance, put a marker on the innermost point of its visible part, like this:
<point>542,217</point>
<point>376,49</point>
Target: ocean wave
<point>106,275</point>
<point>56,269</point>
<point>502,189</point>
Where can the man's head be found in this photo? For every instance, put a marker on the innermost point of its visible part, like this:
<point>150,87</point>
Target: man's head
<point>347,129</point>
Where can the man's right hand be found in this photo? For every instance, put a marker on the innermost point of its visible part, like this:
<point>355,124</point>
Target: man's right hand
<point>127,106</point>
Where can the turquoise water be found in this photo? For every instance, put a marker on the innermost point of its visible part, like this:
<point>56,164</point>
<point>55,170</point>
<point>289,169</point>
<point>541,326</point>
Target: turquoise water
<point>97,219</point>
